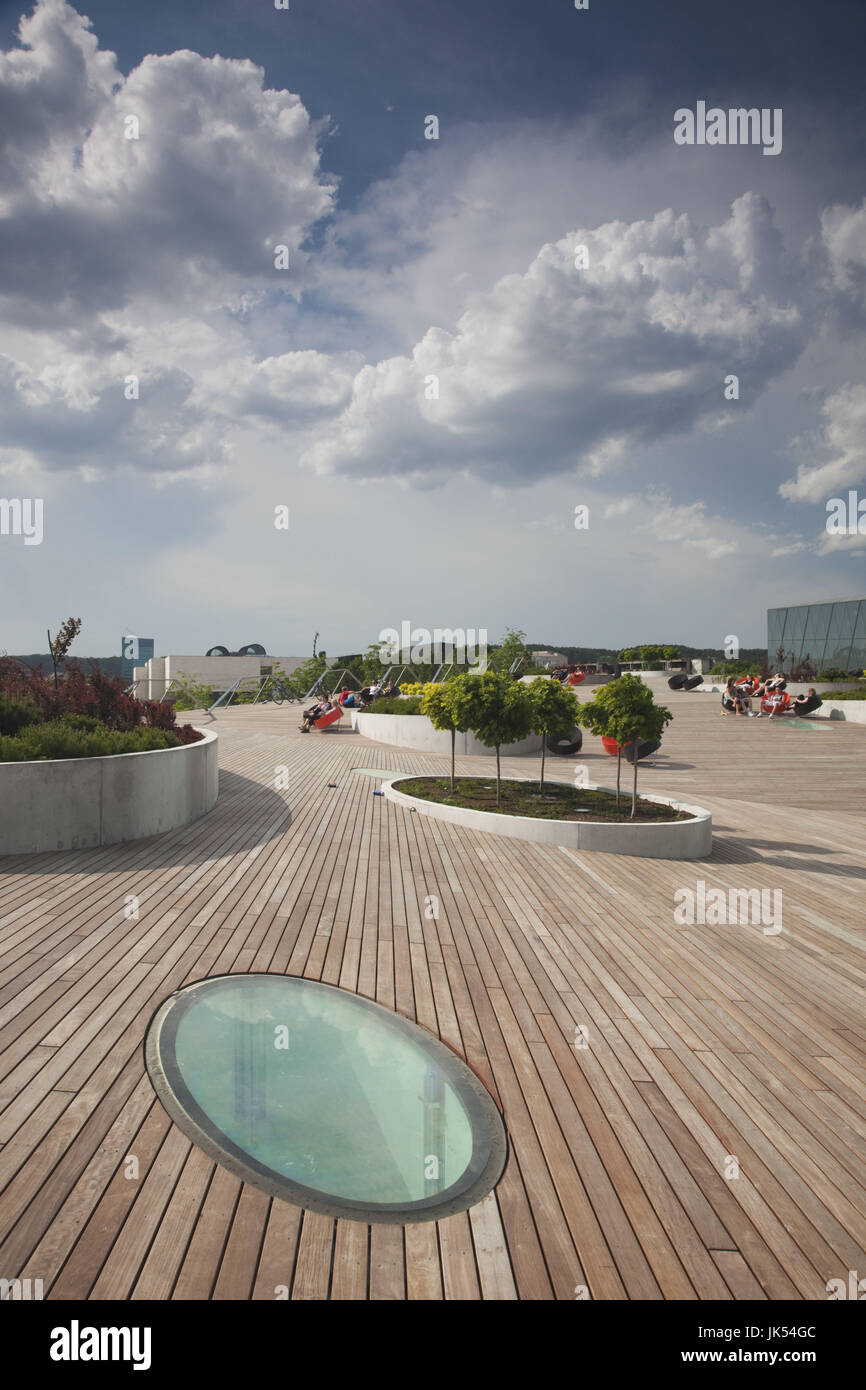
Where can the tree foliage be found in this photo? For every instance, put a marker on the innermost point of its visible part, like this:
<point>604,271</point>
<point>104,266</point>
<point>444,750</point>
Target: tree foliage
<point>554,712</point>
<point>442,706</point>
<point>624,709</point>
<point>496,709</point>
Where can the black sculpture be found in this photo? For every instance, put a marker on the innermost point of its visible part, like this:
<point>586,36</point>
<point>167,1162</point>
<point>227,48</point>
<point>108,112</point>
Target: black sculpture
<point>252,649</point>
<point>565,747</point>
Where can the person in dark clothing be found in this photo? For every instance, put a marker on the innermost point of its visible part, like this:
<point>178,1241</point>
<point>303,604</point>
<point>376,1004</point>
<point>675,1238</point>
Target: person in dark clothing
<point>315,712</point>
<point>806,704</point>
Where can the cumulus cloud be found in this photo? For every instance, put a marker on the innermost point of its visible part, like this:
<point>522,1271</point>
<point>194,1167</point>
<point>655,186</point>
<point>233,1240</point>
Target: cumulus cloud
<point>222,171</point>
<point>55,423</point>
<point>840,446</point>
<point>149,256</point>
<point>563,365</point>
<point>843,231</point>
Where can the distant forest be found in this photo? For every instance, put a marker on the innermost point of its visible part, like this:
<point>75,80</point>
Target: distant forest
<point>607,655</point>
<point>113,665</point>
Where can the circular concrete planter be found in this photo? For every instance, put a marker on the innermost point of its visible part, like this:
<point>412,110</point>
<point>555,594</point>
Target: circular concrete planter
<point>76,803</point>
<point>688,839</point>
<point>416,731</point>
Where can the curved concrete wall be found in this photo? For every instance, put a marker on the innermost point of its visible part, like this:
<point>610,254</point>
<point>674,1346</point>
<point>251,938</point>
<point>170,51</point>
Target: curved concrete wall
<point>688,839</point>
<point>416,731</point>
<point>75,803</point>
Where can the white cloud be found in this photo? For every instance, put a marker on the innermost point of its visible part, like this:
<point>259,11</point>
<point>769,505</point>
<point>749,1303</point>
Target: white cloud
<point>559,366</point>
<point>843,230</point>
<point>842,442</point>
<point>223,171</point>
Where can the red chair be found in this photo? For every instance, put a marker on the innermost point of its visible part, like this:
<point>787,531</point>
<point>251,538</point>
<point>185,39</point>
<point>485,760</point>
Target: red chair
<point>576,677</point>
<point>610,745</point>
<point>328,719</point>
<point>775,704</point>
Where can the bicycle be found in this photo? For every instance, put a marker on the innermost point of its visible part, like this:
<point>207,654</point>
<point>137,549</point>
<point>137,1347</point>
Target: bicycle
<point>278,691</point>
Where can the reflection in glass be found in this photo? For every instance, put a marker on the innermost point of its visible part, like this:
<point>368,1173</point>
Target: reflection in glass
<point>324,1091</point>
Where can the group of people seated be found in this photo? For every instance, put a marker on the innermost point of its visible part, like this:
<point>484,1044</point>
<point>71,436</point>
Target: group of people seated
<point>347,699</point>
<point>740,691</point>
<point>568,675</point>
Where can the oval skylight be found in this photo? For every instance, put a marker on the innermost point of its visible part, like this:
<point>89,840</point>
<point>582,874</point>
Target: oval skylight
<point>324,1098</point>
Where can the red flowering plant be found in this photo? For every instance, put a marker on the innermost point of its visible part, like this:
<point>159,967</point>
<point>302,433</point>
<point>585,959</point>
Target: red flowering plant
<point>95,696</point>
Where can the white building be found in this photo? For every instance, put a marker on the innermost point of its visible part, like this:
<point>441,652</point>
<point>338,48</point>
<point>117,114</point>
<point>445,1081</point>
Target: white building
<point>549,659</point>
<point>218,672</point>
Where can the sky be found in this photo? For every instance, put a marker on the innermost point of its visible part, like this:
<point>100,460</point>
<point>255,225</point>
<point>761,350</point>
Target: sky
<point>421,281</point>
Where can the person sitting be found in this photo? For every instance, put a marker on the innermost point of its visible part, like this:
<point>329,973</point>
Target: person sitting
<point>775,702</point>
<point>732,700</point>
<point>746,687</point>
<point>391,691</point>
<point>806,704</point>
<point>315,712</point>
<point>347,698</point>
<point>775,685</point>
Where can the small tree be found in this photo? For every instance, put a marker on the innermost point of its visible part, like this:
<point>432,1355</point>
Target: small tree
<point>62,642</point>
<point>445,713</point>
<point>496,709</point>
<point>554,712</point>
<point>595,716</point>
<point>511,647</point>
<point>631,714</point>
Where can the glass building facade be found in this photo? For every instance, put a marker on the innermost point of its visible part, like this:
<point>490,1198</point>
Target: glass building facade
<point>829,634</point>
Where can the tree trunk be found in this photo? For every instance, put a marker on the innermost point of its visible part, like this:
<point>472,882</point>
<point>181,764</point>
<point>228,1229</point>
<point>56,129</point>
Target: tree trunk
<point>498,780</point>
<point>634,783</point>
<point>543,747</point>
<point>618,767</point>
<point>453,739</point>
<point>53,657</point>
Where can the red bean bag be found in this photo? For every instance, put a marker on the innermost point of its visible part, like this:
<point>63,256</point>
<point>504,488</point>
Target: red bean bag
<point>774,704</point>
<point>328,719</point>
<point>611,746</point>
<point>576,677</point>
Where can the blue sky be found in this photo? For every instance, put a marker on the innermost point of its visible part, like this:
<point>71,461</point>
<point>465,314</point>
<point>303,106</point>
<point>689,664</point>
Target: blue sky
<point>432,385</point>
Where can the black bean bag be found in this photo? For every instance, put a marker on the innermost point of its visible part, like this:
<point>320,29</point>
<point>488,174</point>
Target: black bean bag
<point>693,682</point>
<point>678,681</point>
<point>644,748</point>
<point>565,746</point>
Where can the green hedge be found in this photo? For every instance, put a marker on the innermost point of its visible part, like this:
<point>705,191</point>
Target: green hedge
<point>408,704</point>
<point>61,738</point>
<point>15,715</point>
<point>843,694</point>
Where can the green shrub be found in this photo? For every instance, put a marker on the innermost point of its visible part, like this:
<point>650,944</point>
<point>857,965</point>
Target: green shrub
<point>15,715</point>
<point>87,723</point>
<point>833,673</point>
<point>58,739</point>
<point>412,705</point>
<point>732,668</point>
<point>843,694</point>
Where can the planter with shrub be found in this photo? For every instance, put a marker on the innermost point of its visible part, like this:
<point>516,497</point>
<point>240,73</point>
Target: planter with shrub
<point>83,763</point>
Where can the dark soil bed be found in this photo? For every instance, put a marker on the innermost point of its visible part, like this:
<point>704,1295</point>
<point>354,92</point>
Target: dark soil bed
<point>559,801</point>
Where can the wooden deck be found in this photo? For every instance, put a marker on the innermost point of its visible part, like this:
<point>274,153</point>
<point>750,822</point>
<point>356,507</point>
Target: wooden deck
<point>706,1044</point>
